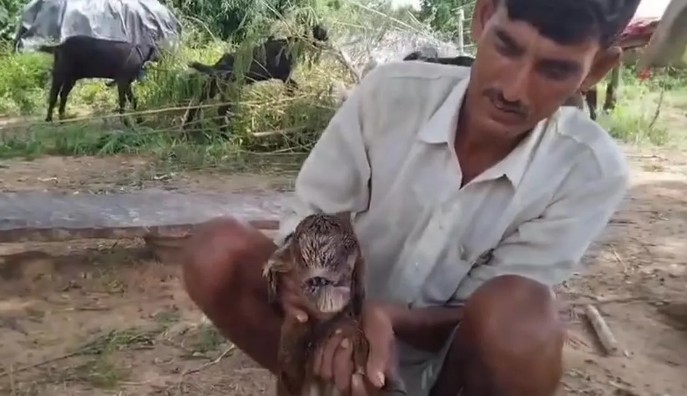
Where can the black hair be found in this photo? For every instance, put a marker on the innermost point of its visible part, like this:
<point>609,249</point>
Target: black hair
<point>574,21</point>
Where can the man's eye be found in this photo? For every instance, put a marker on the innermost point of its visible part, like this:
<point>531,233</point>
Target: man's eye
<point>505,49</point>
<point>555,73</point>
<point>505,46</point>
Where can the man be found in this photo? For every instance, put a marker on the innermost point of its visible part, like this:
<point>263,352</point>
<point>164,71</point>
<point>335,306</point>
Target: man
<point>473,193</point>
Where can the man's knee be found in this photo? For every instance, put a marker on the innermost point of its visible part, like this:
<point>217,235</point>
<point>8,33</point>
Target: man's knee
<point>217,256</point>
<point>512,326</point>
<point>513,299</point>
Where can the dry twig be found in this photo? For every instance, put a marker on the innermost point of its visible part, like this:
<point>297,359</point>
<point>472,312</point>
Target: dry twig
<point>202,367</point>
<point>602,331</point>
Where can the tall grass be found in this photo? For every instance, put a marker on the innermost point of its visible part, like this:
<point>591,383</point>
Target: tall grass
<point>266,119</point>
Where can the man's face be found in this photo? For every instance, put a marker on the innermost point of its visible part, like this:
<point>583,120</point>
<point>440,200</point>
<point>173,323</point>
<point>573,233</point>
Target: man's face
<point>520,77</point>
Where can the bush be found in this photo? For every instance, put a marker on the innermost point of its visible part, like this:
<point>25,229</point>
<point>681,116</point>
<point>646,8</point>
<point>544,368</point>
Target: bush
<point>23,79</point>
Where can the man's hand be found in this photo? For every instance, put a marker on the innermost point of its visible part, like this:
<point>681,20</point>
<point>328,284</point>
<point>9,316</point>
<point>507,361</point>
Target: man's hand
<point>333,361</point>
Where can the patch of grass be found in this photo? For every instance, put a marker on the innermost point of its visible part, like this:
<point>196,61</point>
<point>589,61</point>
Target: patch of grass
<point>167,318</point>
<point>23,79</point>
<point>101,368</point>
<point>207,340</point>
<point>646,109</point>
<point>101,372</point>
<point>117,340</point>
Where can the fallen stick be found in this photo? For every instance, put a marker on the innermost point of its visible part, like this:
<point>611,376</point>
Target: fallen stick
<point>603,332</point>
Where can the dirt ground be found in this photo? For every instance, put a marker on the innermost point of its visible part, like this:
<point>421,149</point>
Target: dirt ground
<point>122,324</point>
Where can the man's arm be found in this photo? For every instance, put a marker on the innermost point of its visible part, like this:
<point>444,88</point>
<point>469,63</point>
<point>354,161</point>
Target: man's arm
<point>424,328</point>
<point>335,176</point>
<point>549,248</point>
<point>546,249</point>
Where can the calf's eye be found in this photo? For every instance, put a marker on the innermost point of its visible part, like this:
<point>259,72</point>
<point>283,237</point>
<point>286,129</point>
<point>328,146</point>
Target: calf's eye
<point>318,281</point>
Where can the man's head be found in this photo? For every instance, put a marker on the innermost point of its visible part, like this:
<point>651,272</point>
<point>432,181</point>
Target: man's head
<point>534,54</point>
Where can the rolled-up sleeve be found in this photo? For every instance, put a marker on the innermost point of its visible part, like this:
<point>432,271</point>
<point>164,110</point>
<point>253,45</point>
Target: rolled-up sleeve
<point>550,247</point>
<point>335,176</point>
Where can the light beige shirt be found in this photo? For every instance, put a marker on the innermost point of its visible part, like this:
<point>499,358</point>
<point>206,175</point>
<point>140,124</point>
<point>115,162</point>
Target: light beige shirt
<point>387,156</point>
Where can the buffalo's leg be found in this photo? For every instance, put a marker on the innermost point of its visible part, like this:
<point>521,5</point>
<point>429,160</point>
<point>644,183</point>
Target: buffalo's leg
<point>134,102</point>
<point>67,87</point>
<point>52,98</point>
<point>611,90</point>
<point>591,97</point>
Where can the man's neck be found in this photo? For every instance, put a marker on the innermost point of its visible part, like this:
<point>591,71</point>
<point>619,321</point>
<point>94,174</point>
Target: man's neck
<point>470,138</point>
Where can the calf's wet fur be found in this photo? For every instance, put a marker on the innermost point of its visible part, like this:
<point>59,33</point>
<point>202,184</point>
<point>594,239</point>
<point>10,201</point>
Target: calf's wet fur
<point>323,255</point>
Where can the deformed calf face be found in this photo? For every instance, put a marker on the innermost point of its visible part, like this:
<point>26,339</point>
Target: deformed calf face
<point>323,256</point>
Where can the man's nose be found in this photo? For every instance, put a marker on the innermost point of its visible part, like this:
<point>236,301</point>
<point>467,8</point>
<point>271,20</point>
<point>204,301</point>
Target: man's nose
<point>516,85</point>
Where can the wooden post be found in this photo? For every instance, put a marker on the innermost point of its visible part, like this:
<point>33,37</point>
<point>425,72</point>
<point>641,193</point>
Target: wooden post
<point>461,38</point>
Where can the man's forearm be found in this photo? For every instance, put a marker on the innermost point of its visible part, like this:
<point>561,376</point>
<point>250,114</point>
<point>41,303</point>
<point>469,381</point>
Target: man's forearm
<point>425,328</point>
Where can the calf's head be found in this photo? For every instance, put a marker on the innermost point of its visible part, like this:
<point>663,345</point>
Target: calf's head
<point>323,256</point>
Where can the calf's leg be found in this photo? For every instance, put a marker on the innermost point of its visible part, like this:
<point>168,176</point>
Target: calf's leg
<point>226,111</point>
<point>291,86</point>
<point>209,91</point>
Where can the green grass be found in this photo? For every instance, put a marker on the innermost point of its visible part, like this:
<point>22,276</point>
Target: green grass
<point>646,110</point>
<point>267,120</point>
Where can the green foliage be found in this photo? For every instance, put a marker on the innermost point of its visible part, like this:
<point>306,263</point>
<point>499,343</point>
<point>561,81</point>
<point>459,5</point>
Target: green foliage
<point>9,12</point>
<point>236,20</point>
<point>442,15</point>
<point>23,79</point>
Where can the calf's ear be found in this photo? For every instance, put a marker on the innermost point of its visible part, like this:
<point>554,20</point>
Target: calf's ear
<point>280,262</point>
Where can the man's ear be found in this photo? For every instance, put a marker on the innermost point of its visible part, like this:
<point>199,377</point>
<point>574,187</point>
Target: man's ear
<point>603,63</point>
<point>484,10</point>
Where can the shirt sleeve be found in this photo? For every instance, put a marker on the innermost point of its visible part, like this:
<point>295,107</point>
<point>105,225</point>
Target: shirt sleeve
<point>550,247</point>
<point>335,175</point>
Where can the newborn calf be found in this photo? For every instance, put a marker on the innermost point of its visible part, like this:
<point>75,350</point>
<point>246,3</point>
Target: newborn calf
<point>323,256</point>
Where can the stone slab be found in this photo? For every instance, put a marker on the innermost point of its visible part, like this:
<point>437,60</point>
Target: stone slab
<point>37,216</point>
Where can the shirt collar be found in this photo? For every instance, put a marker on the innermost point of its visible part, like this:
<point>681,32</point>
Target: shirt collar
<point>441,129</point>
<point>515,164</point>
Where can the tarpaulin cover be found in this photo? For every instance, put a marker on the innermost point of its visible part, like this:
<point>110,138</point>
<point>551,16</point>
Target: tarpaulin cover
<point>134,21</point>
<point>389,45</point>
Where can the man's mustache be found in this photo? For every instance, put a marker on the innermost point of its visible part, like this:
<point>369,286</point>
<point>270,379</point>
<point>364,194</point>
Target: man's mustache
<point>496,96</point>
